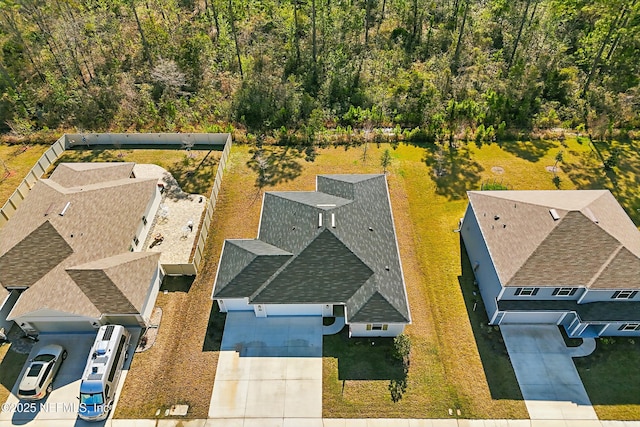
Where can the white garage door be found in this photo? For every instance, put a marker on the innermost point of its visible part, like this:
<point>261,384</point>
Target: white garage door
<point>294,309</point>
<point>63,326</point>
<point>544,317</point>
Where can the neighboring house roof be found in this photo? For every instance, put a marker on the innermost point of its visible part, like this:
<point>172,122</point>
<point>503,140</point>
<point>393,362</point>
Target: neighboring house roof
<point>349,257</point>
<point>591,242</point>
<point>600,311</point>
<point>39,247</point>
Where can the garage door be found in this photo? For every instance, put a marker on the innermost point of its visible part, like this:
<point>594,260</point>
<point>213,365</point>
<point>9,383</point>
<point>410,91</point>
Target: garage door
<point>63,326</point>
<point>294,309</point>
<point>537,317</point>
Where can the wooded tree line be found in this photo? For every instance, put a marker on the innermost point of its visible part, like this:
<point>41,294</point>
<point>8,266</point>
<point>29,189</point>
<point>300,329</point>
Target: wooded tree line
<point>450,67</point>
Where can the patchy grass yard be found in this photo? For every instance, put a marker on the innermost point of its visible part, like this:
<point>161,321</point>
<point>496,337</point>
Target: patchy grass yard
<point>18,159</point>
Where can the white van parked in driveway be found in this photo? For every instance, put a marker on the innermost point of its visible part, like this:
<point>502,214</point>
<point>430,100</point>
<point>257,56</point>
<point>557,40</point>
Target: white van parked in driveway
<point>101,375</point>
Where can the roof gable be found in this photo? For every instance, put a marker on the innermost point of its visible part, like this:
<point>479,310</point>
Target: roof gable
<point>378,309</point>
<point>75,174</point>
<point>33,257</point>
<point>566,257</point>
<point>325,271</point>
<point>622,270</point>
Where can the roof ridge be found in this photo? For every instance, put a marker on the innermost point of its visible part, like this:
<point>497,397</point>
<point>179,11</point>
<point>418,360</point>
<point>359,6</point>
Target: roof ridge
<point>605,264</point>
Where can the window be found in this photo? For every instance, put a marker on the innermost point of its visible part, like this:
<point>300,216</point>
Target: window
<point>136,241</point>
<point>525,292</point>
<point>45,375</point>
<point>624,294</point>
<point>116,358</point>
<point>630,327</point>
<point>144,220</point>
<point>564,292</point>
<point>377,327</point>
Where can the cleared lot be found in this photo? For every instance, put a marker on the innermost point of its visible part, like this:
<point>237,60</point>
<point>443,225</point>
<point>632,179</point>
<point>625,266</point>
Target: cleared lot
<point>62,402</point>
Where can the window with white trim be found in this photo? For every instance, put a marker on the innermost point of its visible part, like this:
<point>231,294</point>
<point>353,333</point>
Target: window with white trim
<point>526,292</point>
<point>377,327</point>
<point>624,294</point>
<point>630,327</point>
<point>564,292</point>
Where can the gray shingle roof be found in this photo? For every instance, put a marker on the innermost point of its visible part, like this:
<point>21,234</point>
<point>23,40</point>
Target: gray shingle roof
<point>350,258</point>
<point>593,243</point>
<point>39,245</point>
<point>601,311</point>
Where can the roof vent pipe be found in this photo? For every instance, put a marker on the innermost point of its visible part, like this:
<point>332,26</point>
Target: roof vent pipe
<point>65,208</point>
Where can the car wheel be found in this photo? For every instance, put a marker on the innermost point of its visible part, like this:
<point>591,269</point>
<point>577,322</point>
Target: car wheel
<point>49,388</point>
<point>64,355</point>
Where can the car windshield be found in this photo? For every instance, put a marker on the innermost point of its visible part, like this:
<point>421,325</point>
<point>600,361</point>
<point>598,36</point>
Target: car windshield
<point>91,398</point>
<point>35,369</point>
<point>44,358</point>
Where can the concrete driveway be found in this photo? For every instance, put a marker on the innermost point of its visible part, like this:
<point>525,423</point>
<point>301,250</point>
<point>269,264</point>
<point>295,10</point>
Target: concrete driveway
<point>269,368</point>
<point>61,405</point>
<point>549,381</point>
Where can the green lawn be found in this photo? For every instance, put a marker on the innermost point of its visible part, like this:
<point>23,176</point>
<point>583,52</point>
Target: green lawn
<point>15,162</point>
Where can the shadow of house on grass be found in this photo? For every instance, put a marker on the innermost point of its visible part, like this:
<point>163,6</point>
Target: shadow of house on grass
<point>611,374</point>
<point>215,329</point>
<point>366,359</point>
<point>177,283</point>
<point>498,370</point>
<point>453,170</point>
<point>10,368</point>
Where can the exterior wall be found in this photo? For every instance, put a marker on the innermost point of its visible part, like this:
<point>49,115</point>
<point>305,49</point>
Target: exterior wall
<point>234,304</point>
<point>5,308</point>
<point>149,214</point>
<point>544,293</point>
<point>293,309</point>
<point>360,330</point>
<point>152,295</point>
<point>552,317</point>
<point>601,295</point>
<point>612,331</point>
<point>485,272</point>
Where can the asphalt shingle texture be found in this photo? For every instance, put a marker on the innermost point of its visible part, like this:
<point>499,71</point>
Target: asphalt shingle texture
<point>343,247</point>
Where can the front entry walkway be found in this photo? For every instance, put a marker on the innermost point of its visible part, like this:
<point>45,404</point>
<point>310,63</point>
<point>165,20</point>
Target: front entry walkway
<point>549,381</point>
<point>269,368</point>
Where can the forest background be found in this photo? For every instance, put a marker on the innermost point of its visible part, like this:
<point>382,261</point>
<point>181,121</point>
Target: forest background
<point>299,70</point>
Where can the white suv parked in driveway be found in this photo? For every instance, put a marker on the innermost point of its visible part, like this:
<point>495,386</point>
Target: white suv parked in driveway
<point>42,370</point>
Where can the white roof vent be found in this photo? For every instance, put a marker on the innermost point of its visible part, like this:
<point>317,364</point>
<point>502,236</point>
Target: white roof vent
<point>64,210</point>
<point>554,214</point>
<point>320,220</point>
<point>333,220</point>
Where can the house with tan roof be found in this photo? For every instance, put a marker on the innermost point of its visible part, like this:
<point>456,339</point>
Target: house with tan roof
<point>71,257</point>
<point>570,258</point>
<point>331,252</point>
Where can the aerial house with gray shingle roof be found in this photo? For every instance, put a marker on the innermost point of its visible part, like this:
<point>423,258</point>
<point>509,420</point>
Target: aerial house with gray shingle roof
<point>332,250</point>
<point>70,256</point>
<point>570,258</point>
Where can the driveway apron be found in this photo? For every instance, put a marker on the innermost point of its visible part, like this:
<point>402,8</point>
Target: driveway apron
<point>549,381</point>
<point>269,368</point>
